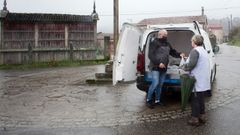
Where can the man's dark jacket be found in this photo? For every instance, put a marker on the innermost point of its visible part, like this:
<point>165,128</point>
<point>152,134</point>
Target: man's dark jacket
<point>159,51</point>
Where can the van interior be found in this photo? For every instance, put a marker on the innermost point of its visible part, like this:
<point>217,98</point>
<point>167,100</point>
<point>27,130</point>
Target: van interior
<point>180,40</point>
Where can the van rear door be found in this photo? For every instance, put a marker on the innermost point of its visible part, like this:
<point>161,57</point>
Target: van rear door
<point>125,60</point>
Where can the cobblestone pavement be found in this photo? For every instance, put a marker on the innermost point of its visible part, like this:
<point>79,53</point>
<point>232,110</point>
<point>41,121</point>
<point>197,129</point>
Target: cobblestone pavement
<point>59,97</point>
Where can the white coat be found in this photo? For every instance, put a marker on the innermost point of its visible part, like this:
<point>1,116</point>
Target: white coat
<point>201,71</point>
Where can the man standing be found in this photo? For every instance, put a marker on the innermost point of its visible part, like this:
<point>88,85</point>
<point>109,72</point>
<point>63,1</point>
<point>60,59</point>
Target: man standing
<point>198,66</point>
<point>159,51</point>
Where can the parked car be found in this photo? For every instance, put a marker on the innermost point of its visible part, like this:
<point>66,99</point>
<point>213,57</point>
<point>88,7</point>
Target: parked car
<point>131,60</point>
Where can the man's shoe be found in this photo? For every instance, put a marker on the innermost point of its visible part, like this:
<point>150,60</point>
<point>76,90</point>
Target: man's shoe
<point>150,105</point>
<point>194,121</point>
<point>160,104</point>
<point>203,118</point>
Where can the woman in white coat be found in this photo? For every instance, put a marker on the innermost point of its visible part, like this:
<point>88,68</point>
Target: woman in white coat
<point>198,65</point>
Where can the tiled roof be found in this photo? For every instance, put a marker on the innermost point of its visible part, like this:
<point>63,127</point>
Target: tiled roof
<point>215,26</point>
<point>37,17</point>
<point>169,20</point>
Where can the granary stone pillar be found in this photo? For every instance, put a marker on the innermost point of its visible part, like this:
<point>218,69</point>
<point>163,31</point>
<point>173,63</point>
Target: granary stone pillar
<point>66,36</point>
<point>1,32</point>
<point>3,14</point>
<point>1,55</point>
<point>36,35</point>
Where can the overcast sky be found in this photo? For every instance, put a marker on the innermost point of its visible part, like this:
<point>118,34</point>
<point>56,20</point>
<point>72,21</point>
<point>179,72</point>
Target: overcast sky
<point>130,10</point>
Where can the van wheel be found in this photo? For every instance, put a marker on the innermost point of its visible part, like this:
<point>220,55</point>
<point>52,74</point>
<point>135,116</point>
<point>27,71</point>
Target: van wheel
<point>213,76</point>
<point>215,72</point>
<point>212,79</point>
<point>209,92</point>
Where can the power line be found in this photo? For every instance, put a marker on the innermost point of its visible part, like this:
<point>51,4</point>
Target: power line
<point>223,8</point>
<point>171,12</point>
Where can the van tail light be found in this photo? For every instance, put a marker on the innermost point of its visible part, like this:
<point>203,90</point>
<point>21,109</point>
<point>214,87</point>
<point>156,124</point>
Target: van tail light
<point>140,63</point>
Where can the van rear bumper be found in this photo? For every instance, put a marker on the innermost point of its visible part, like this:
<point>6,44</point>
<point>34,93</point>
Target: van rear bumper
<point>143,84</point>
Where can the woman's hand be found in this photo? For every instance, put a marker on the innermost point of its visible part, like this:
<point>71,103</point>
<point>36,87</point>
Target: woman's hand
<point>182,55</point>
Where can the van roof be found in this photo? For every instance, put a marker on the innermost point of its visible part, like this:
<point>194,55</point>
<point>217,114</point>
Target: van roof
<point>182,26</point>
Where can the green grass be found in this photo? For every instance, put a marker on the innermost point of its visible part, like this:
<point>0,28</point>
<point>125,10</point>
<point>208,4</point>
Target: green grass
<point>65,63</point>
<point>235,42</point>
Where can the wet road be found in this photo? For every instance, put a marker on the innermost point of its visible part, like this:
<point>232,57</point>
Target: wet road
<point>58,101</point>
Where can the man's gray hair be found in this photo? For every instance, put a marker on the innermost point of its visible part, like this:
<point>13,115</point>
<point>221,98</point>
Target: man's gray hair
<point>163,31</point>
<point>198,40</point>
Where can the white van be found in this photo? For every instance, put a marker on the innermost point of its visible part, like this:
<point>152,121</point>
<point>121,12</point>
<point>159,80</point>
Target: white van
<point>131,60</point>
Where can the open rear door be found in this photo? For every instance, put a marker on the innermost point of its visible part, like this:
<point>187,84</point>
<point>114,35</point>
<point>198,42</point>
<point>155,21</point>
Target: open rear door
<point>125,60</point>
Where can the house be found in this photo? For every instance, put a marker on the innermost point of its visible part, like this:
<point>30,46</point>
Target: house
<point>174,20</point>
<point>217,30</point>
<point>202,19</point>
<point>38,37</point>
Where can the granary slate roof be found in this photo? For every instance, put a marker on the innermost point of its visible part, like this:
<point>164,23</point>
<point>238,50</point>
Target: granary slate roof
<point>38,17</point>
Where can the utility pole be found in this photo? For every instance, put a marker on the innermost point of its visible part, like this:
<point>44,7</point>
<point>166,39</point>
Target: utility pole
<point>202,11</point>
<point>116,24</point>
<point>231,24</point>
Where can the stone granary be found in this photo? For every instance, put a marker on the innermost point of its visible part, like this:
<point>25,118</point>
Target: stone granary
<point>38,37</point>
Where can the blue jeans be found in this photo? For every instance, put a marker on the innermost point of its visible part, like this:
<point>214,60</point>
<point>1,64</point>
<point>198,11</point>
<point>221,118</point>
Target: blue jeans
<point>158,78</point>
